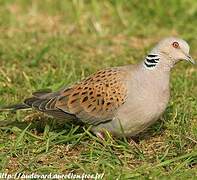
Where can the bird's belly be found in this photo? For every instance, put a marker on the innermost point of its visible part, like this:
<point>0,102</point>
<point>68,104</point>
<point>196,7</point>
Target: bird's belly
<point>132,119</point>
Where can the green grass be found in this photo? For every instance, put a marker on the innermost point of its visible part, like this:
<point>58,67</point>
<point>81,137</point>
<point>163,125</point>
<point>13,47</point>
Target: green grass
<point>53,43</point>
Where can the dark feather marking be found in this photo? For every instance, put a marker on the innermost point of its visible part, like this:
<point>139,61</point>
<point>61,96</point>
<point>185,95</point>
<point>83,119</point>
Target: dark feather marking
<point>89,105</point>
<point>108,103</point>
<point>62,98</point>
<point>102,101</point>
<point>73,101</point>
<point>36,103</point>
<point>94,109</point>
<point>84,99</point>
<point>48,104</point>
<point>152,55</point>
<point>30,101</point>
<point>152,60</point>
<point>75,94</point>
<point>53,102</point>
<point>42,105</point>
<point>149,65</point>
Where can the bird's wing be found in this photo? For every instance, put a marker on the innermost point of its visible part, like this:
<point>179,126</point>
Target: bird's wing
<point>95,99</point>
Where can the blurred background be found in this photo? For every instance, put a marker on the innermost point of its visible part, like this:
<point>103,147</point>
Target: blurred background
<point>53,43</point>
<point>51,37</point>
<point>100,33</point>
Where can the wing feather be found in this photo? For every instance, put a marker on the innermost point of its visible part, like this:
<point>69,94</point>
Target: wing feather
<point>94,100</point>
<point>97,98</point>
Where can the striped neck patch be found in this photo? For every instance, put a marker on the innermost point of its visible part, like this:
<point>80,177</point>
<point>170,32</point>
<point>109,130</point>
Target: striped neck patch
<point>151,61</point>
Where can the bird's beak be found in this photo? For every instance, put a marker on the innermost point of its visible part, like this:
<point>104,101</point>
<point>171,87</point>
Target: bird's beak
<point>190,59</point>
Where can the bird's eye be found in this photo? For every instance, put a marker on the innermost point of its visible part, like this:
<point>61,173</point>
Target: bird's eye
<point>175,44</point>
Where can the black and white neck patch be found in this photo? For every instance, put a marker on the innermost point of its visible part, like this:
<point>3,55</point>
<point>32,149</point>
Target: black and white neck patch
<point>151,61</point>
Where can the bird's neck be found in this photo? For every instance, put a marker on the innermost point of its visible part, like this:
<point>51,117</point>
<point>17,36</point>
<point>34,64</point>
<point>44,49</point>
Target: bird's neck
<point>157,62</point>
<point>151,61</point>
<point>154,72</point>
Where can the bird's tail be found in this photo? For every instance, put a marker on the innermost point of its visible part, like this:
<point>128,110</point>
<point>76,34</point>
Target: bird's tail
<point>14,107</point>
<point>27,102</point>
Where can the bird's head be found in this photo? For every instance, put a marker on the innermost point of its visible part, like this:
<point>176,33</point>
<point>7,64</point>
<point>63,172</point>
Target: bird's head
<point>174,49</point>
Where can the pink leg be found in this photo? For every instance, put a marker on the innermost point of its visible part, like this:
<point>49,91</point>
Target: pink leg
<point>100,135</point>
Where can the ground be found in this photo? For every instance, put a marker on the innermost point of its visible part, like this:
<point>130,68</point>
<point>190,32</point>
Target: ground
<point>53,43</point>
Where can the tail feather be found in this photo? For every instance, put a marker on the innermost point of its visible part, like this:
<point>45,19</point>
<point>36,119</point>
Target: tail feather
<point>43,101</point>
<point>30,101</point>
<point>41,92</point>
<point>15,107</point>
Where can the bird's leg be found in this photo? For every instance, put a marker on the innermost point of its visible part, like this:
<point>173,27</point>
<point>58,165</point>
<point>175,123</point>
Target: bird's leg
<point>104,135</point>
<point>100,135</point>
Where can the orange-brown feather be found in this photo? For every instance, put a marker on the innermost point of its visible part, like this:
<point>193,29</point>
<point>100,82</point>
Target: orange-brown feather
<point>96,97</point>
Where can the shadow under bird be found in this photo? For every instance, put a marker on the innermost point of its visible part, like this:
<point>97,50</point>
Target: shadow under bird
<point>121,100</point>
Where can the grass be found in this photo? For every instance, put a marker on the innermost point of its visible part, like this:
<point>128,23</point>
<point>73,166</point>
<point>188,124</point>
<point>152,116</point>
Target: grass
<point>53,43</point>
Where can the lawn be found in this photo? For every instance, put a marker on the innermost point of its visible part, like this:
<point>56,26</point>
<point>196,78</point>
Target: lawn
<point>54,43</point>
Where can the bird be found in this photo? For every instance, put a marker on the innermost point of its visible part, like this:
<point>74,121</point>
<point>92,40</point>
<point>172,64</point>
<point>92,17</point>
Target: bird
<point>124,100</point>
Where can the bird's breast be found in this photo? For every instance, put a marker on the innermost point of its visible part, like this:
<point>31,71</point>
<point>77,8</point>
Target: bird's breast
<point>147,100</point>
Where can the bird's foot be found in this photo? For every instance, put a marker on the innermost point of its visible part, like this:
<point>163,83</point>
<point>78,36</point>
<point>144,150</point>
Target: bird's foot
<point>104,135</point>
<point>100,135</point>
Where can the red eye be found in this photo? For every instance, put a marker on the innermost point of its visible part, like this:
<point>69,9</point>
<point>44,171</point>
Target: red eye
<point>175,44</point>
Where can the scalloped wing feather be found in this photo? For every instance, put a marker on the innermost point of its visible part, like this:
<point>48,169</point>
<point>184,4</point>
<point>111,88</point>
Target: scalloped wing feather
<point>95,99</point>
